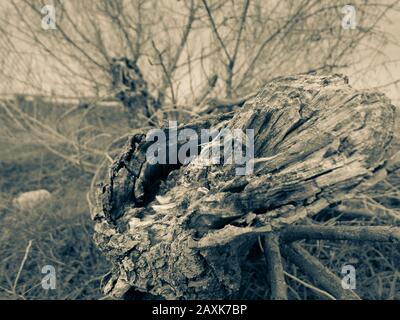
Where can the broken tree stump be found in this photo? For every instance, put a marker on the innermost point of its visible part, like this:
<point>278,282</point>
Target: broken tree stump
<point>184,231</point>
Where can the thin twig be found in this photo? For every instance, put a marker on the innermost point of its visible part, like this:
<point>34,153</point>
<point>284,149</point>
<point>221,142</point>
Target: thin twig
<point>27,250</point>
<point>215,30</point>
<point>310,286</point>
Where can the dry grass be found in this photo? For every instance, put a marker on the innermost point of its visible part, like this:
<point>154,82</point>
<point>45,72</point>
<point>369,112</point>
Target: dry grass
<point>60,232</point>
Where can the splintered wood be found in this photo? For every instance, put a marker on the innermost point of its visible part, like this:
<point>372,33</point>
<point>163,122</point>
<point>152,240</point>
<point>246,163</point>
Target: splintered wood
<point>182,232</point>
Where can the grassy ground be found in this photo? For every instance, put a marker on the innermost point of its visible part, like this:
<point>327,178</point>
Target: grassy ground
<point>60,232</point>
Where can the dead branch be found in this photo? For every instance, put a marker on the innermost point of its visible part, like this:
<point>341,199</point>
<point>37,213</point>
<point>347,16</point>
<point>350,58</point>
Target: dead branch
<point>318,272</point>
<point>353,233</point>
<point>275,267</point>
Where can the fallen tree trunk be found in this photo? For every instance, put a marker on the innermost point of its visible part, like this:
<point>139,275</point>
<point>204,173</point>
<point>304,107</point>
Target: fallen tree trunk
<point>183,231</point>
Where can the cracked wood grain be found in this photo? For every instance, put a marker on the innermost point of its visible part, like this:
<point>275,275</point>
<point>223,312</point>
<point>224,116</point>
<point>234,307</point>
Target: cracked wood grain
<point>318,142</point>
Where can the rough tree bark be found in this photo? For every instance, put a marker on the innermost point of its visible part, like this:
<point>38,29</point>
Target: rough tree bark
<point>183,232</point>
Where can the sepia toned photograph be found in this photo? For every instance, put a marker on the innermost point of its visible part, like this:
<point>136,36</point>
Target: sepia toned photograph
<point>211,150</point>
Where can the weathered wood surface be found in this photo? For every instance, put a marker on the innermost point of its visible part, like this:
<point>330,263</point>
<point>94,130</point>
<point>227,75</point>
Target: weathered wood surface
<point>183,233</point>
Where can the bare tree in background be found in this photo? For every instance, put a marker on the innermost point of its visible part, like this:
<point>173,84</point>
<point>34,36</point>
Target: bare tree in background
<point>181,45</point>
<point>192,56</point>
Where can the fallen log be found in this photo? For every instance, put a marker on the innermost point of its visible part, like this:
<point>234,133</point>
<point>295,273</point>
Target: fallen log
<point>183,231</point>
